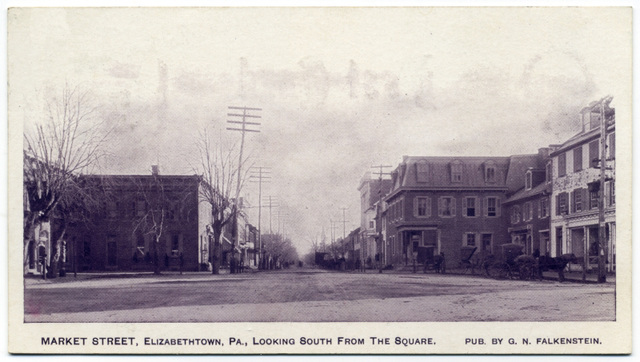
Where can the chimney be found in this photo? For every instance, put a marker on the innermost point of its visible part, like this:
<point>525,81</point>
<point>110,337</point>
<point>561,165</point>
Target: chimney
<point>155,170</point>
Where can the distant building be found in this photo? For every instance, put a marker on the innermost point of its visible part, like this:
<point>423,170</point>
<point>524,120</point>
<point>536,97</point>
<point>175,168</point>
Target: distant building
<point>138,208</point>
<point>372,190</point>
<point>576,190</point>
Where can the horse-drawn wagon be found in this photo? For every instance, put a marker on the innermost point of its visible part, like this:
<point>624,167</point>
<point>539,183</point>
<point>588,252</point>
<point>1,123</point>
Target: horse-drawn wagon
<point>429,260</point>
<point>511,263</point>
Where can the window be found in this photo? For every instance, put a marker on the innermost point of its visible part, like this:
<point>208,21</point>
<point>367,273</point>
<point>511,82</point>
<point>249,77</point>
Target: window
<point>456,171</point>
<point>593,199</point>
<point>112,209</point>
<point>141,208</point>
<point>422,207</point>
<point>527,213</point>
<point>528,180</point>
<point>469,206</point>
<point>490,174</point>
<point>577,200</point>
<point>175,244</point>
<point>515,214</point>
<point>611,190</point>
<point>561,203</point>
<point>469,239</point>
<point>577,159</point>
<point>447,206</point>
<point>492,208</point>
<point>562,164</point>
<point>594,151</point>
<point>422,172</point>
<point>372,224</point>
<point>486,242</point>
<point>543,211</point>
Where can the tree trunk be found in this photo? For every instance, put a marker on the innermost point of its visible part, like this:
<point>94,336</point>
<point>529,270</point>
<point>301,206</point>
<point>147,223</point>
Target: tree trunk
<point>156,256</point>
<point>216,254</point>
<point>55,259</point>
<point>28,237</point>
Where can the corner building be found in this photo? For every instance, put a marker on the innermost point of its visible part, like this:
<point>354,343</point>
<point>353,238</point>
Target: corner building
<point>451,202</point>
<point>575,201</point>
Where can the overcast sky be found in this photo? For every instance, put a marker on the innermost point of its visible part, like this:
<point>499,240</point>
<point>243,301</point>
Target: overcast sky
<point>340,89</point>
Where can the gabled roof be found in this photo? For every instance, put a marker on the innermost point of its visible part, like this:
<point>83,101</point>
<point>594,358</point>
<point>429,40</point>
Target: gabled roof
<point>518,166</point>
<point>525,194</point>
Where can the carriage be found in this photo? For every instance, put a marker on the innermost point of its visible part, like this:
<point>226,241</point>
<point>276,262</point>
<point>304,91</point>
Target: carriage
<point>512,264</point>
<point>467,264</point>
<point>425,255</point>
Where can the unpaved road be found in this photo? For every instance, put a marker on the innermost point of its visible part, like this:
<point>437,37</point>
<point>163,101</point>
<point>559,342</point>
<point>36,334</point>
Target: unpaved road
<point>306,295</point>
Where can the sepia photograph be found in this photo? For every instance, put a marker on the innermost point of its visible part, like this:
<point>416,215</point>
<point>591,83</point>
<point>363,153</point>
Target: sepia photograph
<point>303,180</point>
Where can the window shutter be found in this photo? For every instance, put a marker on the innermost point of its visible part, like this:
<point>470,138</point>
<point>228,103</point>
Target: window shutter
<point>585,199</point>
<point>498,208</point>
<point>558,205</point>
<point>486,206</point>
<point>612,146</point>
<point>593,152</point>
<point>428,203</point>
<point>415,206</point>
<point>464,206</point>
<point>453,206</point>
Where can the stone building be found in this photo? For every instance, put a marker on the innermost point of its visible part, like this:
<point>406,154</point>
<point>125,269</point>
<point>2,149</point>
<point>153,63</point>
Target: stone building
<point>575,201</point>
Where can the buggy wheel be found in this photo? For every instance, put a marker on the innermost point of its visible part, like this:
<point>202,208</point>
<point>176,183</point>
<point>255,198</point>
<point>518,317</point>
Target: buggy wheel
<point>497,271</point>
<point>465,267</point>
<point>526,272</point>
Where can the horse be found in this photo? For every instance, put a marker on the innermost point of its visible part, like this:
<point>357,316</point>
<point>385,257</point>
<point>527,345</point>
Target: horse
<point>556,264</point>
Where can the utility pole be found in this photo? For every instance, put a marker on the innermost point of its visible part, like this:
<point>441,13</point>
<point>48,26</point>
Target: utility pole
<point>602,247</point>
<point>344,229</point>
<point>262,174</point>
<point>381,242</point>
<point>244,129</point>
<point>271,203</point>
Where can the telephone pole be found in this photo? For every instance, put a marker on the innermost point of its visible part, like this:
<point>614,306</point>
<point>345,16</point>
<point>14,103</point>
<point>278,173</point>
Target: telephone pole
<point>602,242</point>
<point>271,202</point>
<point>344,229</point>
<point>379,223</point>
<point>262,174</point>
<point>244,124</point>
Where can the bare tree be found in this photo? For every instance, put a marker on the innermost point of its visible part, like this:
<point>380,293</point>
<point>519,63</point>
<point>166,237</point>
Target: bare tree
<point>218,165</point>
<point>280,249</point>
<point>68,142</point>
<point>152,217</point>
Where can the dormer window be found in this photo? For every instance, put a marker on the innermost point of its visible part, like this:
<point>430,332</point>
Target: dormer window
<point>422,171</point>
<point>456,171</point>
<point>528,180</point>
<point>489,172</point>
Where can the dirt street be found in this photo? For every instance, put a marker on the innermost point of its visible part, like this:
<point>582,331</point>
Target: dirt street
<point>308,295</point>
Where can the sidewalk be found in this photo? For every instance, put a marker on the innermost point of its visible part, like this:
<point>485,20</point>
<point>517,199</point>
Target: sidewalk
<point>576,277</point>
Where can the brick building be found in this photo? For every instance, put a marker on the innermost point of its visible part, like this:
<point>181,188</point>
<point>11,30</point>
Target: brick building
<point>137,209</point>
<point>527,211</point>
<point>450,202</point>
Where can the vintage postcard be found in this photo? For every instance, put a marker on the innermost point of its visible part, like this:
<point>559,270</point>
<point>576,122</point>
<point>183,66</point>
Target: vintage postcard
<point>327,180</point>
